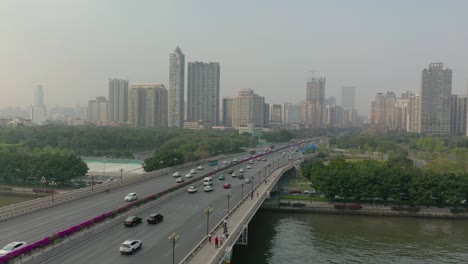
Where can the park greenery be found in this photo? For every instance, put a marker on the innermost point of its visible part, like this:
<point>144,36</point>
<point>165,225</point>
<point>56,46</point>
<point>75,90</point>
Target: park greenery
<point>21,164</point>
<point>396,180</point>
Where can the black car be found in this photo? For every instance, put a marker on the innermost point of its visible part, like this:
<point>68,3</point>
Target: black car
<point>231,171</point>
<point>154,218</point>
<point>132,221</point>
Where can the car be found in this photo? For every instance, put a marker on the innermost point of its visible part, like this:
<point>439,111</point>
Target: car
<point>234,174</point>
<point>131,197</point>
<point>192,189</point>
<point>176,174</point>
<point>225,162</point>
<point>208,188</point>
<point>251,162</point>
<point>130,246</point>
<point>247,181</point>
<point>231,171</point>
<point>10,247</point>
<point>259,159</point>
<point>241,176</point>
<point>227,186</point>
<point>269,164</point>
<point>234,160</point>
<point>264,159</point>
<point>193,171</point>
<point>180,180</point>
<point>241,170</point>
<point>221,177</point>
<point>249,167</point>
<point>132,221</point>
<point>154,218</point>
<point>200,167</point>
<point>188,175</point>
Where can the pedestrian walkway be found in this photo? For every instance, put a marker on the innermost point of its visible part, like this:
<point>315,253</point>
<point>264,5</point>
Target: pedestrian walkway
<point>238,218</point>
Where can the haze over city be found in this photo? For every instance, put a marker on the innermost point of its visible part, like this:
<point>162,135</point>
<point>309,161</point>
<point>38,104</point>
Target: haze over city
<point>272,47</point>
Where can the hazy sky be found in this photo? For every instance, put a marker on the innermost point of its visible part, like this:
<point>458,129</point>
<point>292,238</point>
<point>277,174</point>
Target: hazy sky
<point>72,47</point>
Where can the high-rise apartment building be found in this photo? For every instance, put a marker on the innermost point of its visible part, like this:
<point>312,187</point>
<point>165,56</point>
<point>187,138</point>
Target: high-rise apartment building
<point>458,114</point>
<point>291,113</point>
<point>203,92</point>
<point>176,88</point>
<point>38,111</point>
<point>97,109</point>
<point>316,91</point>
<point>148,105</point>
<point>383,110</point>
<point>276,114</point>
<point>348,97</point>
<point>248,109</point>
<point>118,100</point>
<point>435,96</point>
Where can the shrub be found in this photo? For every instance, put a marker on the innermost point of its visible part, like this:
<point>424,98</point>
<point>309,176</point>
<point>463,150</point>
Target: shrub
<point>339,206</point>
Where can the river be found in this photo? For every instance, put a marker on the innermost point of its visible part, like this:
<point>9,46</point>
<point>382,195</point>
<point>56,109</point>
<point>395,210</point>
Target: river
<point>279,238</point>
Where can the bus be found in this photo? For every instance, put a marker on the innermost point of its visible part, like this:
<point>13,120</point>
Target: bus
<point>212,162</point>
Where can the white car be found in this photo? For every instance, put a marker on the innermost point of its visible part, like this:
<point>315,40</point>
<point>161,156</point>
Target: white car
<point>188,175</point>
<point>176,174</point>
<point>241,171</point>
<point>11,247</point>
<point>192,189</point>
<point>234,174</point>
<point>225,162</point>
<point>131,197</point>
<point>193,171</point>
<point>179,180</point>
<point>208,188</point>
<point>249,167</point>
<point>130,246</point>
<point>200,167</point>
<point>250,161</point>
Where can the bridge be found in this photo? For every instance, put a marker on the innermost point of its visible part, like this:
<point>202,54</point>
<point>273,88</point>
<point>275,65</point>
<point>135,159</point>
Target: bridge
<point>183,212</point>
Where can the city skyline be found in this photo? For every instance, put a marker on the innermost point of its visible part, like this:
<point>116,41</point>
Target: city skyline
<point>377,48</point>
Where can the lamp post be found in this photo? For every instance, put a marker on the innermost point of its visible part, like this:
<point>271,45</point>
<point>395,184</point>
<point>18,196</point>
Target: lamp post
<point>242,188</point>
<point>92,183</point>
<point>161,164</point>
<point>52,183</point>
<point>208,211</point>
<point>121,171</point>
<point>251,184</point>
<point>173,238</point>
<point>228,196</point>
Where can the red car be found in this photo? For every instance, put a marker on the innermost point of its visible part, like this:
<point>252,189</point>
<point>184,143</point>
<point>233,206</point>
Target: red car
<point>227,186</point>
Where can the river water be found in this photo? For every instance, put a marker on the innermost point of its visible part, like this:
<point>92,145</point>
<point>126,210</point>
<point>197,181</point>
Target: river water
<point>278,238</point>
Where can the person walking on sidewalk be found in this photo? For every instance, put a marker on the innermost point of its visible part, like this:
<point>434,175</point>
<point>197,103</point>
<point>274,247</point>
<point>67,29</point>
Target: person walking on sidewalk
<point>223,237</point>
<point>209,237</point>
<point>216,242</point>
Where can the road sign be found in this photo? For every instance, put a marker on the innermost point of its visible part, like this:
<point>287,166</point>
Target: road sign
<point>43,180</point>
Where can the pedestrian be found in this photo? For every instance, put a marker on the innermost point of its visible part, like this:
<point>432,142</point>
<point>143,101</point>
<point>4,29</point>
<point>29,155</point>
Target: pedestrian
<point>222,239</point>
<point>257,194</point>
<point>209,238</point>
<point>216,242</point>
<point>251,195</point>
<point>225,223</point>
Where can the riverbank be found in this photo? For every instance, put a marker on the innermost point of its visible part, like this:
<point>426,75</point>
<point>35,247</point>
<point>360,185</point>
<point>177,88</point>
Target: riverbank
<point>328,208</point>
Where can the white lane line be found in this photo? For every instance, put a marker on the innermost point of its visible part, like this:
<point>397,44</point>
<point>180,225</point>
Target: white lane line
<point>170,251</point>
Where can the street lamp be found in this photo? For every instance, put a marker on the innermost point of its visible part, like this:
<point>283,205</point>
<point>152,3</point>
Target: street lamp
<point>173,238</point>
<point>251,184</point>
<point>52,183</point>
<point>242,188</point>
<point>92,183</point>
<point>161,164</point>
<point>208,211</point>
<point>228,196</point>
<point>121,171</point>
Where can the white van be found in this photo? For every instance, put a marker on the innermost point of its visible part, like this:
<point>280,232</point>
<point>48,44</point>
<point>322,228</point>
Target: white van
<point>207,181</point>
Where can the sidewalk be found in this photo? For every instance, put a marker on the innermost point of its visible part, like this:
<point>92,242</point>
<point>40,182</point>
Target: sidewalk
<point>240,216</point>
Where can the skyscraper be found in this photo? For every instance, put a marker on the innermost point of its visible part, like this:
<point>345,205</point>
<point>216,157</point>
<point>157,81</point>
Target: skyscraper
<point>203,92</point>
<point>248,109</point>
<point>118,100</point>
<point>176,88</point>
<point>148,105</point>
<point>383,110</point>
<point>348,97</point>
<point>435,96</point>
<point>38,111</point>
<point>97,109</point>
<point>227,111</point>
<point>316,91</point>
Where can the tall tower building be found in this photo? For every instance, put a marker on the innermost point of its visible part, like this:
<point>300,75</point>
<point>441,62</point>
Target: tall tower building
<point>176,88</point>
<point>316,91</point>
<point>203,92</point>
<point>348,97</point>
<point>38,111</point>
<point>97,109</point>
<point>248,109</point>
<point>148,105</point>
<point>118,100</point>
<point>383,110</point>
<point>227,111</point>
<point>435,96</point>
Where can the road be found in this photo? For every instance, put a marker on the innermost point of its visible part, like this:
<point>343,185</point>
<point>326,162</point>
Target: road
<point>183,214</point>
